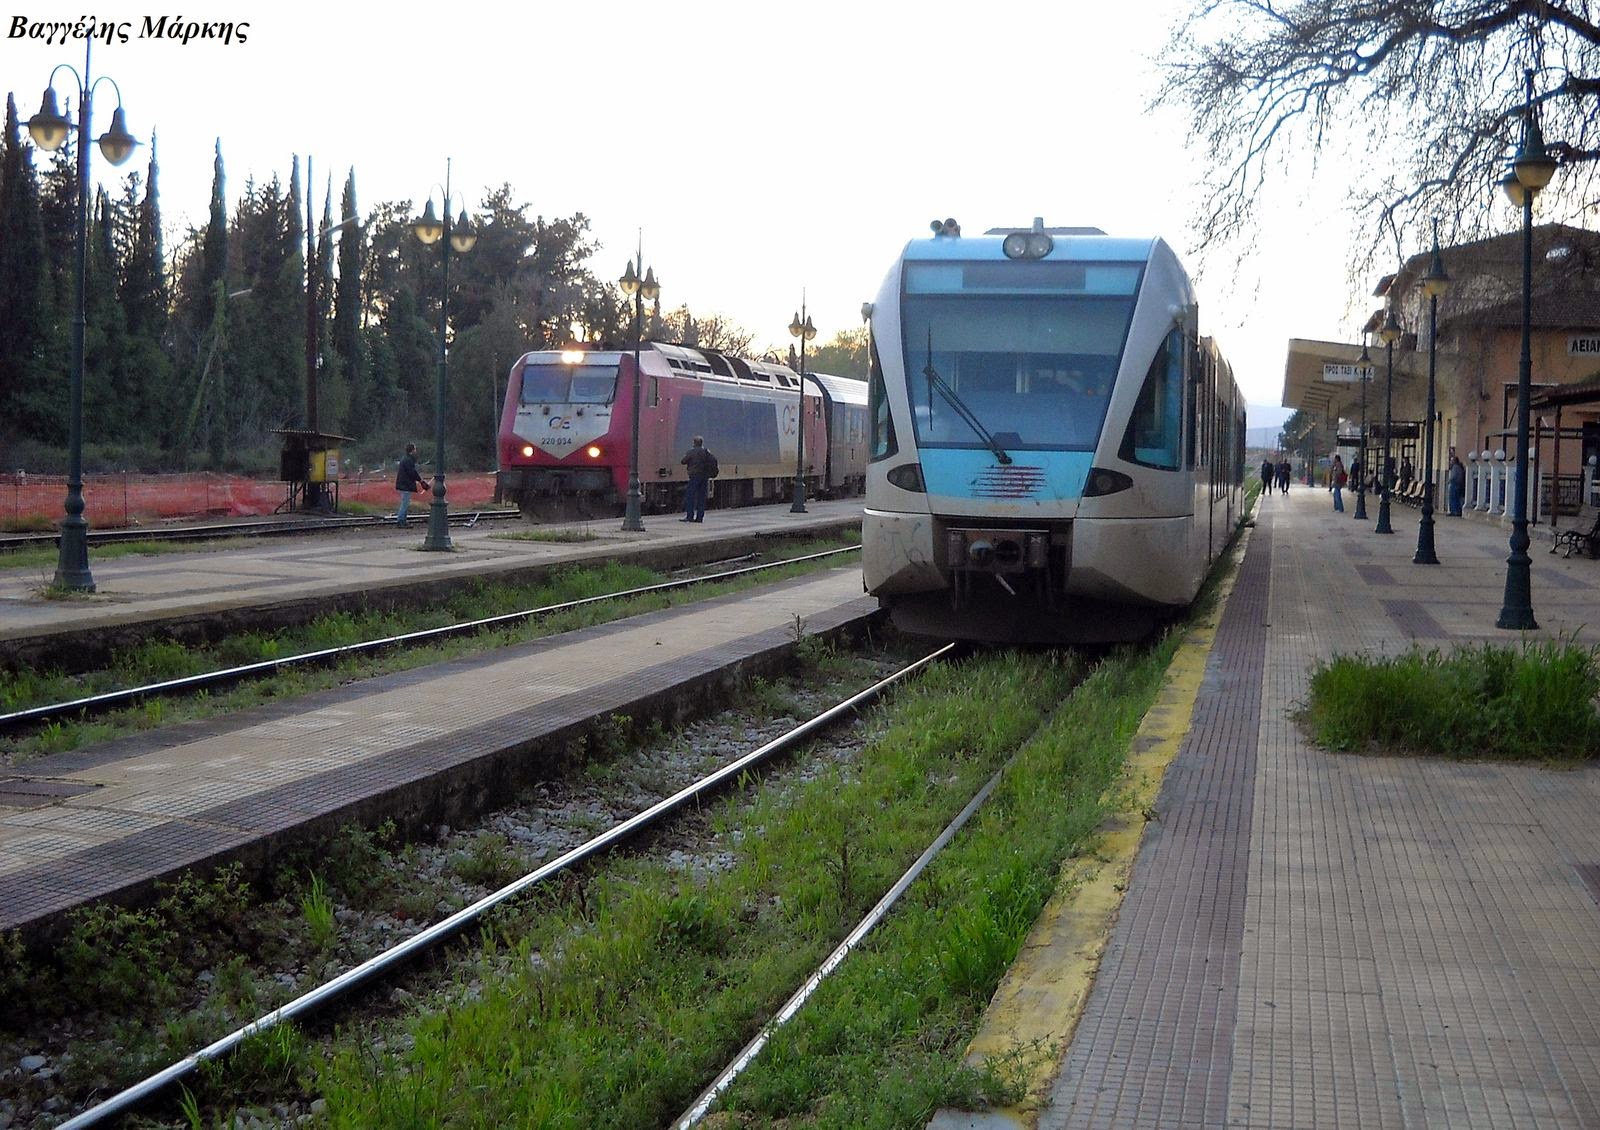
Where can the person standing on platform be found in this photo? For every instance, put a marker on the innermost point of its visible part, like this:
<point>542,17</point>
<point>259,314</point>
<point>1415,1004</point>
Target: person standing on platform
<point>1268,470</point>
<point>406,480</point>
<point>1336,480</point>
<point>702,467</point>
<point>1456,486</point>
<point>1283,475</point>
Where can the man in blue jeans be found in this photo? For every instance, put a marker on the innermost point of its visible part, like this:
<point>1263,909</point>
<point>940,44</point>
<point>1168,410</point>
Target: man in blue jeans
<point>406,480</point>
<point>702,467</point>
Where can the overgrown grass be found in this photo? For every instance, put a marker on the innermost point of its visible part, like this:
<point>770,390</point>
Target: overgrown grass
<point>160,659</point>
<point>1537,701</point>
<point>610,1002</point>
<point>562,534</point>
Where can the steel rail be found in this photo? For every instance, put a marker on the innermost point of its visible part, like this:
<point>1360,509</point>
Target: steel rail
<point>461,919</point>
<point>708,1097</point>
<point>90,704</point>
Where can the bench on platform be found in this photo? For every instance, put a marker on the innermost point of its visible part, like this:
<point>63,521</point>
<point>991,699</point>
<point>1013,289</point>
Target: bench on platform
<point>1584,534</point>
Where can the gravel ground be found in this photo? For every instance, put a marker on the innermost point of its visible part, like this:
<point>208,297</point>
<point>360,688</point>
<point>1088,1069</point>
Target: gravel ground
<point>45,1072</point>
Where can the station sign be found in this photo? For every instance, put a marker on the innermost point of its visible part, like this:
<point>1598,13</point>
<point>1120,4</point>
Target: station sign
<point>1335,373</point>
<point>1583,345</point>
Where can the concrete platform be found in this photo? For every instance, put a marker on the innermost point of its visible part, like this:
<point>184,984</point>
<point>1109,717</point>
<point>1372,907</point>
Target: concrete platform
<point>422,746</point>
<point>193,594</point>
<point>1320,940</point>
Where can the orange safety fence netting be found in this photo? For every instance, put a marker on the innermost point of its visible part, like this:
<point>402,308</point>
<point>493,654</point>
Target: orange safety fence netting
<point>130,499</point>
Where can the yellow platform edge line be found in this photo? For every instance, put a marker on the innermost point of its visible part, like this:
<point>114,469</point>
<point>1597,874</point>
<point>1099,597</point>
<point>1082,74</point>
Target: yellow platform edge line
<point>1031,1018</point>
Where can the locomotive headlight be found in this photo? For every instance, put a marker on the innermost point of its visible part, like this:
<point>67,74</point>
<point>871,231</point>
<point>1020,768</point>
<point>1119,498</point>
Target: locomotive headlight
<point>572,356</point>
<point>527,451</point>
<point>593,451</point>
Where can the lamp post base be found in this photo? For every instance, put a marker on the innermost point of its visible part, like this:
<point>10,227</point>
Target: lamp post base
<point>438,525</point>
<point>1516,613</point>
<point>799,504</point>
<point>72,564</point>
<point>1361,506</point>
<point>1425,554</point>
<point>633,515</point>
<point>1383,526</point>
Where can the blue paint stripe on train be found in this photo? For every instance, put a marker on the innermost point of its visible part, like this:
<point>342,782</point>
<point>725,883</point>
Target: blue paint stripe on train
<point>1032,476</point>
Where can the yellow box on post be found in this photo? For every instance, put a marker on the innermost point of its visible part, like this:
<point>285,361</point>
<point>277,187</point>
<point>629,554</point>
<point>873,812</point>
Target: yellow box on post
<point>325,466</point>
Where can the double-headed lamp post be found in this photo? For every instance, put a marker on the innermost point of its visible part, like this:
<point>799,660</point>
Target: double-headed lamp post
<point>458,237</point>
<point>800,326</point>
<point>1530,173</point>
<point>49,129</point>
<point>1361,458</point>
<point>1388,333</point>
<point>639,290</point>
<point>1434,284</point>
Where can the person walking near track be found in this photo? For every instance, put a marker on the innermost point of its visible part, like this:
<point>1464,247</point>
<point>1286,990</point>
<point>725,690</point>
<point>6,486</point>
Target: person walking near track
<point>1336,480</point>
<point>702,467</point>
<point>406,480</point>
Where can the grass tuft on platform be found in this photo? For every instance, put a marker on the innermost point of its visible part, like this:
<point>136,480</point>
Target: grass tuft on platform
<point>1529,703</point>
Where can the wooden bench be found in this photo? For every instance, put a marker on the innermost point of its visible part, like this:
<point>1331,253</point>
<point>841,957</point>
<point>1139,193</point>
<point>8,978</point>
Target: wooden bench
<point>1584,534</point>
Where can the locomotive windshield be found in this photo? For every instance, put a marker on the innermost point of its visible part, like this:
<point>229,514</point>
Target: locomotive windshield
<point>1031,348</point>
<point>569,384</point>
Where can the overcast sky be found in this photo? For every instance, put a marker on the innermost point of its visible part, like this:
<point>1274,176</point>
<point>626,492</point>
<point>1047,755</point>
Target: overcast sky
<point>762,148</point>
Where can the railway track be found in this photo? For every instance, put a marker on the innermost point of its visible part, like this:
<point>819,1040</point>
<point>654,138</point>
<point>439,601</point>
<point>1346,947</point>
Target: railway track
<point>217,531</point>
<point>340,989</point>
<point>91,705</point>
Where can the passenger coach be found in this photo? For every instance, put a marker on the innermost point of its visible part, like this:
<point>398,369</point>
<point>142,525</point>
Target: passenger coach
<point>1056,453</point>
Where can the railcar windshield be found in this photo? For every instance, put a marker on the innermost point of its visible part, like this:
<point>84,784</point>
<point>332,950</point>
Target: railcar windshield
<point>546,383</point>
<point>1030,348</point>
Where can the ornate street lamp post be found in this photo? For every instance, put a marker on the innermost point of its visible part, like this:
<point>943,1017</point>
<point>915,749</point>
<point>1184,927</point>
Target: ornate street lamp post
<point>49,129</point>
<point>1434,283</point>
<point>1361,458</point>
<point>459,237</point>
<point>800,326</point>
<point>1530,173</point>
<point>1388,333</point>
<point>639,290</point>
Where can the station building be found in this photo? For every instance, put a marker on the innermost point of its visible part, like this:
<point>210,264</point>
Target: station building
<point>1479,341</point>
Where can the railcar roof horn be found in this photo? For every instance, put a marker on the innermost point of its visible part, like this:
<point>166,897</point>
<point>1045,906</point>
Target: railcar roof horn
<point>945,228</point>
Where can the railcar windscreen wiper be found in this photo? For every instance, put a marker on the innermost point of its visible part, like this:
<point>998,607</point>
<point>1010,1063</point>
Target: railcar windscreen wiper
<point>935,381</point>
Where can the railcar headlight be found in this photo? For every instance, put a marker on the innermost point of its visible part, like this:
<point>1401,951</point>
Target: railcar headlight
<point>593,451</point>
<point>527,451</point>
<point>572,356</point>
<point>1028,245</point>
<point>1103,482</point>
<point>908,476</point>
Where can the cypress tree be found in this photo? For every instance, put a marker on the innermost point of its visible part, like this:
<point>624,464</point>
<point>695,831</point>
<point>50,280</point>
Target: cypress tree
<point>347,344</point>
<point>23,293</point>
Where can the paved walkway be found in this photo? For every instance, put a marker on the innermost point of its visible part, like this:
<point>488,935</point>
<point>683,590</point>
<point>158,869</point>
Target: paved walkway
<point>1326,940</point>
<point>200,582</point>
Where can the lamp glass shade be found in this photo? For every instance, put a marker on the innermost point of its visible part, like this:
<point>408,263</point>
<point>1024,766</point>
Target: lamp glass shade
<point>1513,189</point>
<point>428,229</point>
<point>1535,169</point>
<point>49,127</point>
<point>629,282</point>
<point>650,289</point>
<point>117,144</point>
<point>795,328</point>
<point>1389,332</point>
<point>810,330</point>
<point>1436,281</point>
<point>462,237</point>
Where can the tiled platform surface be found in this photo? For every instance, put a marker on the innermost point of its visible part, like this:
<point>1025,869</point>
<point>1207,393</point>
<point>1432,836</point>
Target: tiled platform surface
<point>136,589</point>
<point>108,818</point>
<point>1321,940</point>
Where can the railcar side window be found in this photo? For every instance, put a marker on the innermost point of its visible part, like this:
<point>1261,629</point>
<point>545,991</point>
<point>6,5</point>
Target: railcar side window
<point>883,440</point>
<point>1154,435</point>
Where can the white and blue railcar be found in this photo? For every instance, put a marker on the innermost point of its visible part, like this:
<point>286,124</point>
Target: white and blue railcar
<point>1055,453</point>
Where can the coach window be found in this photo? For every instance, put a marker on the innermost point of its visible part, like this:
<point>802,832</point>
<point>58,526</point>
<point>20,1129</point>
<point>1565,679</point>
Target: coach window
<point>655,391</point>
<point>1154,436</point>
<point>882,424</point>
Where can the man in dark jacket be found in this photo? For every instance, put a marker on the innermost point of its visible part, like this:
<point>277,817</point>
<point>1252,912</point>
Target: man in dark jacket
<point>702,467</point>
<point>406,480</point>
